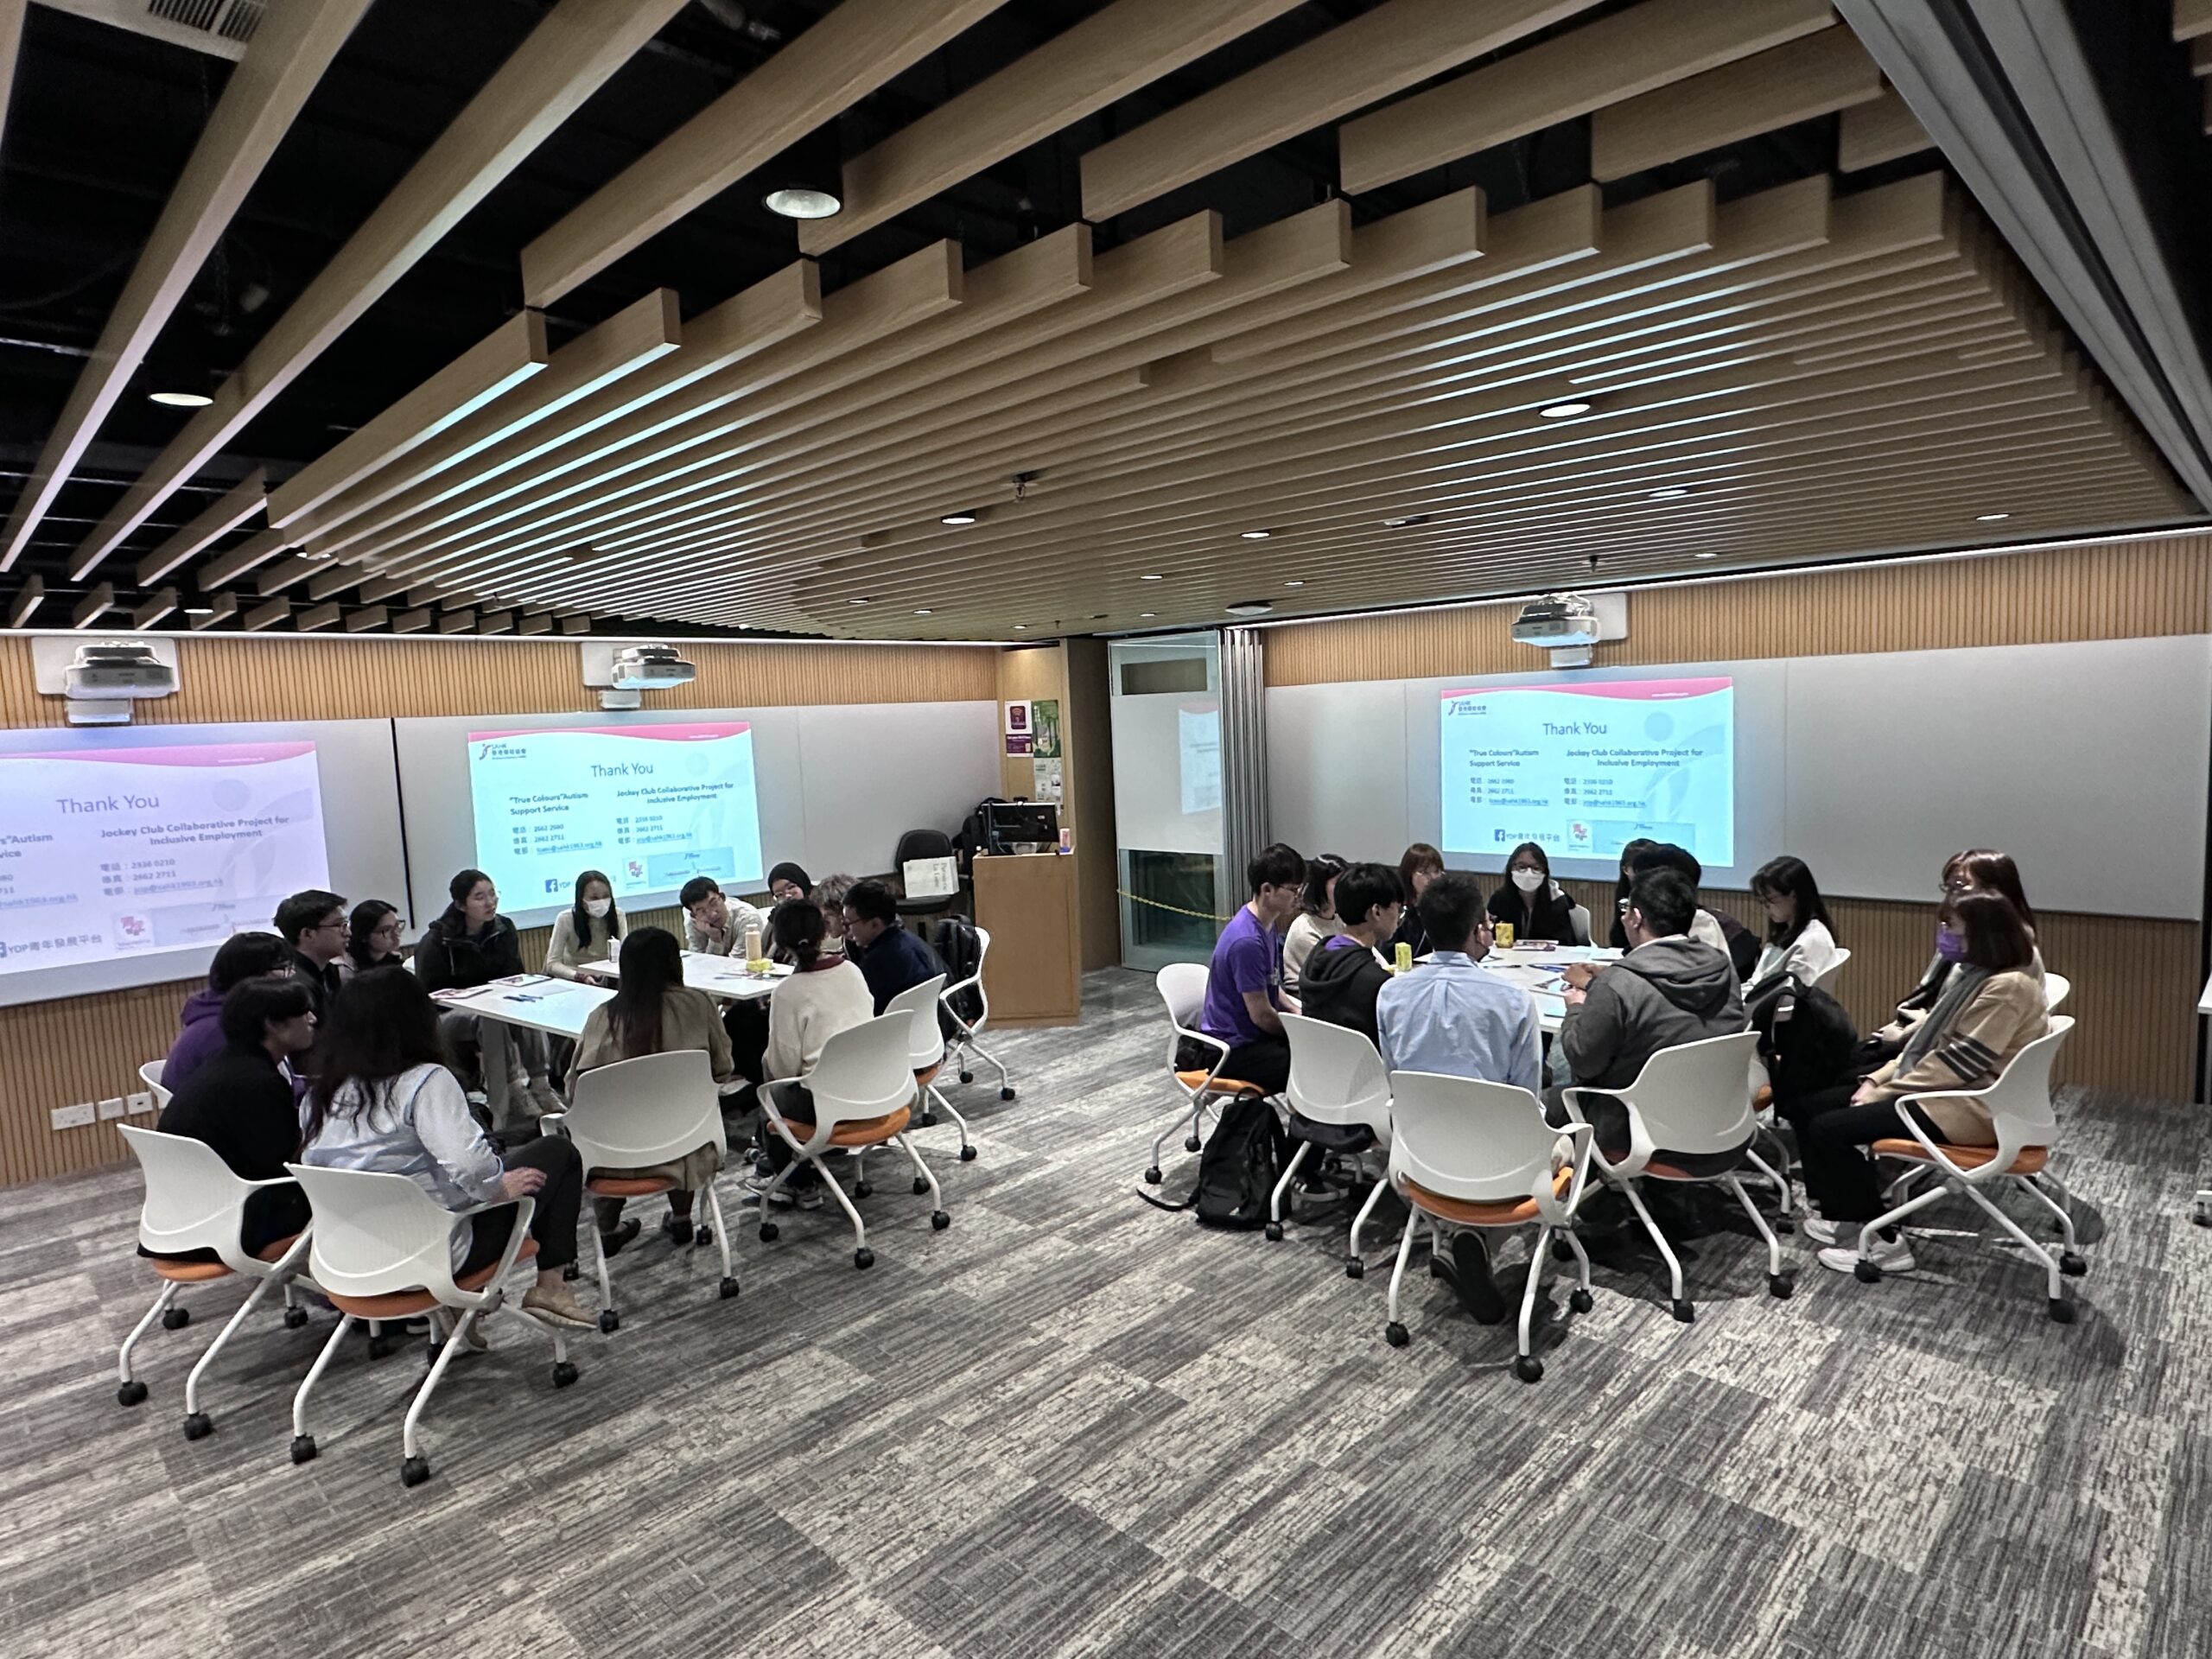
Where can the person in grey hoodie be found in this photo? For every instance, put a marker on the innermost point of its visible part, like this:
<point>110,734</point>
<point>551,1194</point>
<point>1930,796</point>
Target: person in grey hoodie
<point>1668,990</point>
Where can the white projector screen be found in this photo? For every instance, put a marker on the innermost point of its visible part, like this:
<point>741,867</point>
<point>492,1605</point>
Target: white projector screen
<point>128,856</point>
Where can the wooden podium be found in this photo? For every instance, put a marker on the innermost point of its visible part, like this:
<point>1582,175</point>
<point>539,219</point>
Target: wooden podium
<point>1027,903</point>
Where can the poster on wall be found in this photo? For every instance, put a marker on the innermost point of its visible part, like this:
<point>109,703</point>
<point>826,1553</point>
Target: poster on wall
<point>1018,734</point>
<point>1048,783</point>
<point>1044,728</point>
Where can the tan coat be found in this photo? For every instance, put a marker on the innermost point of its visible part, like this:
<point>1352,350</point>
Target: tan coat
<point>2003,1017</point>
<point>688,1019</point>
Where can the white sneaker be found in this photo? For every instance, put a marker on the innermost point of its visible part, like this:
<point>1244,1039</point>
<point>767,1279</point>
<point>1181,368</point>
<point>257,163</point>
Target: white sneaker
<point>1824,1232</point>
<point>1890,1255</point>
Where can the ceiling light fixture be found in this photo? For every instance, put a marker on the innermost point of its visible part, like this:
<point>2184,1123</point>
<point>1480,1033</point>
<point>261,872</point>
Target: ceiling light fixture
<point>1991,517</point>
<point>925,611</point>
<point>806,180</point>
<point>1672,493</point>
<point>1400,523</point>
<point>957,518</point>
<point>1708,555</point>
<point>181,399</point>
<point>1147,615</point>
<point>856,601</point>
<point>1295,583</point>
<point>1566,410</point>
<point>1021,628</point>
<point>1148,578</point>
<point>1248,607</point>
<point>200,610</point>
<point>1256,534</point>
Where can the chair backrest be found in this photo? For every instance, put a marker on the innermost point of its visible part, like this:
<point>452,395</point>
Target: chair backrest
<point>193,1199</point>
<point>1336,1075</point>
<point>650,1111</point>
<point>2056,990</point>
<point>925,1048</point>
<point>866,1071</point>
<point>1481,1142</point>
<point>974,982</point>
<point>1580,915</point>
<point>1826,978</point>
<point>374,1232</point>
<point>1183,989</point>
<point>919,844</point>
<point>150,1075</point>
<point>2019,1100</point>
<point>1696,1097</point>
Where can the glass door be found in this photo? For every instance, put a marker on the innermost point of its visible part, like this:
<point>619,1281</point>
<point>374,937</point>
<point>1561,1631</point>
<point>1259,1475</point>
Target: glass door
<point>1166,711</point>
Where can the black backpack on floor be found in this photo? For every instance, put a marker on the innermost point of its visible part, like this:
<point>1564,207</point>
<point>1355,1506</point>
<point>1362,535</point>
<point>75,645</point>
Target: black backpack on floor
<point>962,953</point>
<point>1238,1170</point>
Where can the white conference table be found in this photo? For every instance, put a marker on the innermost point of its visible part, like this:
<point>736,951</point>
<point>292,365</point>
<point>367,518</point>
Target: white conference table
<point>719,977</point>
<point>1537,970</point>
<point>539,1002</point>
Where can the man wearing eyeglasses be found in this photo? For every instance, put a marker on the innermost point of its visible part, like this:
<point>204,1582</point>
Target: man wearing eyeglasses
<point>312,924</point>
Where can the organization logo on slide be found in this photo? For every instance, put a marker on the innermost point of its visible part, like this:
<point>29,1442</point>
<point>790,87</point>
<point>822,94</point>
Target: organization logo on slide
<point>498,751</point>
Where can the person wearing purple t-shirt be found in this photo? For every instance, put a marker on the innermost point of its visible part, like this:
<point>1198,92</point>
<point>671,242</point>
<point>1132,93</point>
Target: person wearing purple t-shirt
<point>1244,999</point>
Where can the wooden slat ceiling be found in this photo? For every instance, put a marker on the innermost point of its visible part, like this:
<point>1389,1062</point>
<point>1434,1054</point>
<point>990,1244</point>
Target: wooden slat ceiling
<point>1339,408</point>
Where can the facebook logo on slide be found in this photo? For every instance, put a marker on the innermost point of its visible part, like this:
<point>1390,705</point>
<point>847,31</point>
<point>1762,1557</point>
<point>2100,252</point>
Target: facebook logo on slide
<point>552,884</point>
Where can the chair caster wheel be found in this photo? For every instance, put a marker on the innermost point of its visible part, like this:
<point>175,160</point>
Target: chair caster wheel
<point>379,1346</point>
<point>132,1392</point>
<point>921,1184</point>
<point>768,1231</point>
<point>1866,1272</point>
<point>1395,1334</point>
<point>302,1448</point>
<point>1779,1284</point>
<point>1580,1300</point>
<point>1528,1368</point>
<point>294,1318</point>
<point>570,1272</point>
<point>1561,1251</point>
<point>2061,1310</point>
<point>967,1076</point>
<point>1684,1312</point>
<point>2072,1265</point>
<point>1354,1268</point>
<point>939,1220</point>
<point>610,1320</point>
<point>1191,1145</point>
<point>565,1372</point>
<point>1273,1230</point>
<point>1005,1094</point>
<point>199,1426</point>
<point>862,1189</point>
<point>926,1120</point>
<point>413,1472</point>
<point>1783,1224</point>
<point>729,1289</point>
<point>864,1257</point>
<point>176,1319</point>
<point>967,1154</point>
<point>1152,1177</point>
<point>702,1237</point>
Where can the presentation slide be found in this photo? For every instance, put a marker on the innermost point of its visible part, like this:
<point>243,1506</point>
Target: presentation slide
<point>1583,768</point>
<point>652,805</point>
<point>117,852</point>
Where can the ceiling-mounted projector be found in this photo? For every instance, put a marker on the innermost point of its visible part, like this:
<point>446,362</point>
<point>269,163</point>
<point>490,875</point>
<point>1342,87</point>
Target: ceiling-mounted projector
<point>118,670</point>
<point>1557,620</point>
<point>651,668</point>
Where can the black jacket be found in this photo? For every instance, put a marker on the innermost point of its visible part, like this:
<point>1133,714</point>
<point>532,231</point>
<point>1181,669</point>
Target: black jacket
<point>240,1104</point>
<point>897,962</point>
<point>321,982</point>
<point>1410,931</point>
<point>1339,985</point>
<point>1547,913</point>
<point>451,958</point>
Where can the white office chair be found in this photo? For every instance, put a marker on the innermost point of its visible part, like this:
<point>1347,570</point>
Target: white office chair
<point>1693,1100</point>
<point>1337,1080</point>
<point>2019,1107</point>
<point>657,1109</point>
<point>195,1202</point>
<point>380,1251</point>
<point>1825,979</point>
<point>862,1090</point>
<point>2056,987</point>
<point>925,1052</point>
<point>1182,987</point>
<point>961,1044</point>
<point>1470,1153</point>
<point>1580,915</point>
<point>150,1075</point>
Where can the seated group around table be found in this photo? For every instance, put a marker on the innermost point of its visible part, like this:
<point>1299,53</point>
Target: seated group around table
<point>1322,937</point>
<point>322,1043</point>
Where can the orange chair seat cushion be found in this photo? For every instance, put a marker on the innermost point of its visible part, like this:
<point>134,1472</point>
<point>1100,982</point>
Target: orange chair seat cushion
<point>1221,1085</point>
<point>405,1304</point>
<point>2031,1159</point>
<point>1763,1099</point>
<point>628,1186</point>
<point>180,1272</point>
<point>927,1075</point>
<point>1503,1213</point>
<point>857,1131</point>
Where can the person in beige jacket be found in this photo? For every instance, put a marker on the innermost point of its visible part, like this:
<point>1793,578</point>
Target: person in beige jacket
<point>654,1011</point>
<point>1992,1008</point>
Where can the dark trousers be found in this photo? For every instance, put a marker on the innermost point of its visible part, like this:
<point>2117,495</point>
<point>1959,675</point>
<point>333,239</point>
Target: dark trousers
<point>1609,1131</point>
<point>1840,1175</point>
<point>746,1023</point>
<point>1264,1063</point>
<point>553,1223</point>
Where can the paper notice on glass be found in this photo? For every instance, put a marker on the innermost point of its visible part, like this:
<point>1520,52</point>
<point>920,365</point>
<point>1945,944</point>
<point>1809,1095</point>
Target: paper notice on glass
<point>1198,745</point>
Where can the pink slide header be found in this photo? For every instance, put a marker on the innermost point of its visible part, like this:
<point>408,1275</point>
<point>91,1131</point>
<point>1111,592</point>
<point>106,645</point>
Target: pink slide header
<point>699,732</point>
<point>1631,691</point>
<point>183,755</point>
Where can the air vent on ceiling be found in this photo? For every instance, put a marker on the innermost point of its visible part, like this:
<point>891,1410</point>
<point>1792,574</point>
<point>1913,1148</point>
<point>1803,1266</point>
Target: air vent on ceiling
<point>221,27</point>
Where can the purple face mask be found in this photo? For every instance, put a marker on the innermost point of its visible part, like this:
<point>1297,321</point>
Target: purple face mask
<point>1950,945</point>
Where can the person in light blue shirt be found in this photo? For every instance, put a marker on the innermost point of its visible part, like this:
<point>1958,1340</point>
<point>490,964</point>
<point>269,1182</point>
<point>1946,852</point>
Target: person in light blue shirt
<point>1452,1016</point>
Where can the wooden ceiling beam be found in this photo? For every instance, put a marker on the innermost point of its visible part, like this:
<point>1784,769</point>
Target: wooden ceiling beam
<point>857,48</point>
<point>1883,130</point>
<point>1617,58</point>
<point>244,500</point>
<point>1373,56</point>
<point>571,53</point>
<point>266,615</point>
<point>2192,19</point>
<point>249,555</point>
<point>154,607</point>
<point>318,617</point>
<point>94,606</point>
<point>1127,45</point>
<point>216,609</point>
<point>366,618</point>
<point>25,603</point>
<point>263,96</point>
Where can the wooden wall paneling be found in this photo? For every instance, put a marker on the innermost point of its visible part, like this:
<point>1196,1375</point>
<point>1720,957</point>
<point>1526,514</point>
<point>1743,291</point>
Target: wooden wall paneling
<point>1106,56</point>
<point>1085,720</point>
<point>1882,131</point>
<point>281,65</point>
<point>857,48</point>
<point>568,56</point>
<point>1373,56</point>
<point>1617,58</point>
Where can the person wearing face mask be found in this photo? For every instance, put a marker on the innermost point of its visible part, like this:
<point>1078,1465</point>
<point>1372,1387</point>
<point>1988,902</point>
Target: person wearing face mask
<point>1981,867</point>
<point>1244,1001</point>
<point>586,932</point>
<point>1992,1008</point>
<point>1531,903</point>
<point>1418,866</point>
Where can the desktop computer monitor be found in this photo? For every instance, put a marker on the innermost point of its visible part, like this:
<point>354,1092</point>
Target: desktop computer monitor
<point>1012,825</point>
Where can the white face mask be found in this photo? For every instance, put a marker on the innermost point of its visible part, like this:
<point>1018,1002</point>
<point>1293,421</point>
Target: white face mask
<point>1528,880</point>
<point>598,907</point>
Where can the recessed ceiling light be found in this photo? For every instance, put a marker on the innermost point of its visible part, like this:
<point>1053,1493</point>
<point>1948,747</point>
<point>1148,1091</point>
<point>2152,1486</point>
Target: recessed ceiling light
<point>200,610</point>
<point>181,399</point>
<point>802,201</point>
<point>957,518</point>
<point>1147,615</point>
<point>1248,607</point>
<point>1708,555</point>
<point>1400,523</point>
<point>856,601</point>
<point>926,612</point>
<point>1672,493</point>
<point>1294,584</point>
<point>1566,410</point>
<point>1991,517</point>
<point>1021,628</point>
<point>1257,535</point>
<point>1148,578</point>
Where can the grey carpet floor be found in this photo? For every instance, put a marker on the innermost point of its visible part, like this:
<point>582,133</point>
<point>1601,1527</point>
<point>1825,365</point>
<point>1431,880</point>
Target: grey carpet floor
<point>1073,1425</point>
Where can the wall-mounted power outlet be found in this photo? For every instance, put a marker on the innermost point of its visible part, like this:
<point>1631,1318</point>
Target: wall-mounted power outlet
<point>139,1104</point>
<point>111,1108</point>
<point>72,1117</point>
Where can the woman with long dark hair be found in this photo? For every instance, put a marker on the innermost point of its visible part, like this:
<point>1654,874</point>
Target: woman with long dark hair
<point>470,944</point>
<point>384,1099</point>
<point>1977,868</point>
<point>824,994</point>
<point>1800,938</point>
<point>372,939</point>
<point>1418,866</point>
<point>654,1011</point>
<point>587,930</point>
<point>1535,906</point>
<point>1316,919</point>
